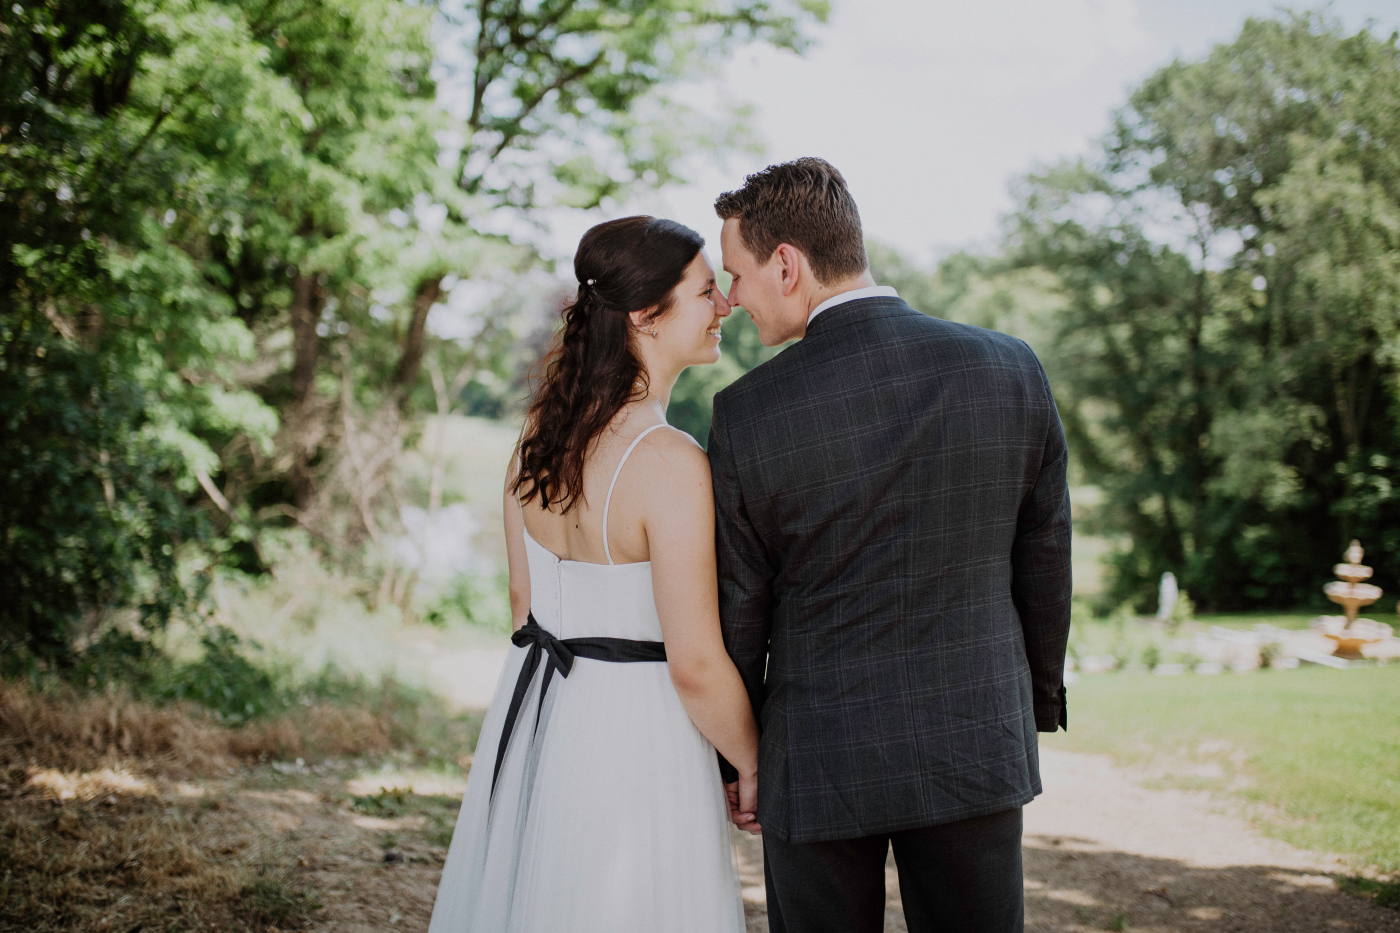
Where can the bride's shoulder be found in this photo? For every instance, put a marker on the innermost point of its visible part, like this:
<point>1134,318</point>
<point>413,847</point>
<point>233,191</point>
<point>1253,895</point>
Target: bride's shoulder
<point>673,458</point>
<point>668,441</point>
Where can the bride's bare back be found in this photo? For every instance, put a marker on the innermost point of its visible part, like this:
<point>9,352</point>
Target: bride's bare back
<point>650,480</point>
<point>662,512</point>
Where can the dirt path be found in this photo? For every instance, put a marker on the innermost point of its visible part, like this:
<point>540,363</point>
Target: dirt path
<point>1102,852</point>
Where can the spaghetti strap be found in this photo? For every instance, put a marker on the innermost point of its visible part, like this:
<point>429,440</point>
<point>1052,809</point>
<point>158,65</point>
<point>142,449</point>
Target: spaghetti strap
<point>616,473</point>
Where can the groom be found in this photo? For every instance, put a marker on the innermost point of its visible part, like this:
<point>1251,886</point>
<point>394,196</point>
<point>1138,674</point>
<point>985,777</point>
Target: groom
<point>893,528</point>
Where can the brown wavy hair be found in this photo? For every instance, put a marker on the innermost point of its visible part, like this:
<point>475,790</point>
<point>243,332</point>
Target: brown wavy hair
<point>592,369</point>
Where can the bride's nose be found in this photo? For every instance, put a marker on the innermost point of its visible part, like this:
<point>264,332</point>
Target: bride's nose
<point>722,306</point>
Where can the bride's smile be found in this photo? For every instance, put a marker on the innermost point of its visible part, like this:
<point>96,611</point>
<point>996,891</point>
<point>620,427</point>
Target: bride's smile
<point>688,333</point>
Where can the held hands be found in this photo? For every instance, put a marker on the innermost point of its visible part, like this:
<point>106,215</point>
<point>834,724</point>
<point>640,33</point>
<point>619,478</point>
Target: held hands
<point>742,797</point>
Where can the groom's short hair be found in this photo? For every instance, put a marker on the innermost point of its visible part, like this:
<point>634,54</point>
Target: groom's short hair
<point>805,203</point>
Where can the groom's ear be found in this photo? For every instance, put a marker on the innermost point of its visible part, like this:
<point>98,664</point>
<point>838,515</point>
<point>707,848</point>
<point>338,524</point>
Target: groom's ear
<point>789,259</point>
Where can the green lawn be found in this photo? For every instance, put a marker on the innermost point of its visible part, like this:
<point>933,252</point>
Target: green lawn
<point>1247,620</point>
<point>1320,748</point>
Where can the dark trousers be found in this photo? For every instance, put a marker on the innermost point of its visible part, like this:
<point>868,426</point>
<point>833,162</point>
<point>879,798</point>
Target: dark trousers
<point>962,877</point>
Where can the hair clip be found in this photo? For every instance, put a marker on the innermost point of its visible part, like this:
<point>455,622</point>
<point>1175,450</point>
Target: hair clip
<point>590,282</point>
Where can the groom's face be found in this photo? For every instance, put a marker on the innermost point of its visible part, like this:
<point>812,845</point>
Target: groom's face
<point>758,288</point>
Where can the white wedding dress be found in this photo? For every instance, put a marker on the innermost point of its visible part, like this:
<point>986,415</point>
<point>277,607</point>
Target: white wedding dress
<point>608,815</point>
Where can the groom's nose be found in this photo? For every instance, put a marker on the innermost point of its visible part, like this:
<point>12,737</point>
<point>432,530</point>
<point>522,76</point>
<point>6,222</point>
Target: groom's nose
<point>722,306</point>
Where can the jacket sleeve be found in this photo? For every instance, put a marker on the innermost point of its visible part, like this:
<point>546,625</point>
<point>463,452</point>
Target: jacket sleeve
<point>1041,579</point>
<point>745,572</point>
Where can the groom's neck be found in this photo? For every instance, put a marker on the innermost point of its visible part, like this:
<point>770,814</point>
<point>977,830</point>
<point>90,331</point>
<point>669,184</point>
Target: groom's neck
<point>822,292</point>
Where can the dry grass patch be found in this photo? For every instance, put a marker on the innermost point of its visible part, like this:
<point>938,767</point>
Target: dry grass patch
<point>86,785</point>
<point>62,730</point>
<point>59,729</point>
<point>118,814</point>
<point>261,849</point>
<point>321,730</point>
<point>113,864</point>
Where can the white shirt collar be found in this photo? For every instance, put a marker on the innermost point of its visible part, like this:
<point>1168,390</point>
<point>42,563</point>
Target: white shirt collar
<point>855,294</point>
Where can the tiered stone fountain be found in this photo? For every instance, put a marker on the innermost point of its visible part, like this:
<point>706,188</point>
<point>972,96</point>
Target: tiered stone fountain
<point>1351,593</point>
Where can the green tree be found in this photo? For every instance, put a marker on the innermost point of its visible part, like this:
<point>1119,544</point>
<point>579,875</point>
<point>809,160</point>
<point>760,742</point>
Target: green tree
<point>1226,354</point>
<point>99,316</point>
<point>224,225</point>
<point>985,291</point>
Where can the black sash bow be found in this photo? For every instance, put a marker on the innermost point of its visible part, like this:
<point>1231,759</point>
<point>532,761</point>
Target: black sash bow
<point>561,654</point>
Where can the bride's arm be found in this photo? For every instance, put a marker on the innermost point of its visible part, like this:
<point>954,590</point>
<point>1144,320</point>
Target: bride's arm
<point>680,529</point>
<point>516,561</point>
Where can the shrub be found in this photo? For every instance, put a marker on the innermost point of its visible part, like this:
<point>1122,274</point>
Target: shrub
<point>388,802</point>
<point>273,899</point>
<point>1184,610</point>
<point>224,680</point>
<point>1385,893</point>
<point>472,600</point>
<point>92,521</point>
<point>1151,656</point>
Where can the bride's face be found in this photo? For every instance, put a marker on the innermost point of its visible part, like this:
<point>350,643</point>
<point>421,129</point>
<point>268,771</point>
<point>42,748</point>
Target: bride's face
<point>689,332</point>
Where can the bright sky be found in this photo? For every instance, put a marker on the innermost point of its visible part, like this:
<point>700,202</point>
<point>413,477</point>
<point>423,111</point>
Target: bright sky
<point>930,108</point>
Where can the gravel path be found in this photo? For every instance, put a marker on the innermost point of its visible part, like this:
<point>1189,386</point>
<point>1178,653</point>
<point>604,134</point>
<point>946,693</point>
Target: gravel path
<point>1103,852</point>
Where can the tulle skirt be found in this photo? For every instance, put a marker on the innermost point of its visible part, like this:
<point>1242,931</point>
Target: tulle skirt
<point>608,816</point>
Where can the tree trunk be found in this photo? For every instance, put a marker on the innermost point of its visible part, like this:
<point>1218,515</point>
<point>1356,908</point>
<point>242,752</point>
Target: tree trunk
<point>406,373</point>
<point>1199,457</point>
<point>306,315</point>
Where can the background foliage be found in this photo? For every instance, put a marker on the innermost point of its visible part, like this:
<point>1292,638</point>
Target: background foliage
<point>1228,345</point>
<point>236,238</point>
<point>224,227</point>
<point>1217,298</point>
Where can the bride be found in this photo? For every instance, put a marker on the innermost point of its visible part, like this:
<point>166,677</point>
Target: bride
<point>595,801</point>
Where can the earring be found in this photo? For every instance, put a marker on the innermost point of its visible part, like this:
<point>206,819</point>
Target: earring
<point>653,331</point>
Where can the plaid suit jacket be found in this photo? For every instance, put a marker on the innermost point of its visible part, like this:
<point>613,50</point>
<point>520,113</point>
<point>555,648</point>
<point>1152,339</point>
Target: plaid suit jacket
<point>893,533</point>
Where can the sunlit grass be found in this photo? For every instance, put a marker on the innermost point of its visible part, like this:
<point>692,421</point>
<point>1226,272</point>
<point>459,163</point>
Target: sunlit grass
<point>1247,620</point>
<point>1320,748</point>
